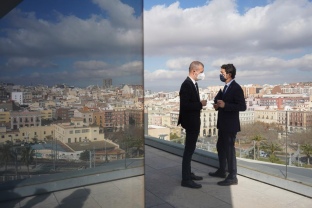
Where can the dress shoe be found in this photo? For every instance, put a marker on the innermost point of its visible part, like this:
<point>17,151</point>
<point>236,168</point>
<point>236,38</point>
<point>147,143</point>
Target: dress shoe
<point>218,174</point>
<point>228,182</point>
<point>195,177</point>
<point>190,184</point>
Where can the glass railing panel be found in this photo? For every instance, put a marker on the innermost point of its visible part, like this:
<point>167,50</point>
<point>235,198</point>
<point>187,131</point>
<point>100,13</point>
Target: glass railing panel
<point>77,102</point>
<point>264,147</point>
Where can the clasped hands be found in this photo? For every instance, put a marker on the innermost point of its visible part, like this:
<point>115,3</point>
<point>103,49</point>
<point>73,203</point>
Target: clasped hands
<point>219,104</point>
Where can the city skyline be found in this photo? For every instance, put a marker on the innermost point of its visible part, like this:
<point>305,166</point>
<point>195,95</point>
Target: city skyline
<point>268,41</point>
<point>79,43</point>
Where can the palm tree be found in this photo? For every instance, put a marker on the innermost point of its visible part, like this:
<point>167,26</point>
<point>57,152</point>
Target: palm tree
<point>307,150</point>
<point>271,148</point>
<point>257,138</point>
<point>27,156</point>
<point>5,154</point>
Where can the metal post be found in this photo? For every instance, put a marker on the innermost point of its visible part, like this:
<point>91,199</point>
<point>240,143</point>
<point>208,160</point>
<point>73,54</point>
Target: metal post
<point>298,154</point>
<point>254,143</point>
<point>93,157</point>
<point>53,149</point>
<point>286,140</point>
<point>90,159</point>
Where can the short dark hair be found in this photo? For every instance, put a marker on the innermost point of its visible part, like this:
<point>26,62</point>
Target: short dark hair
<point>229,69</point>
<point>195,64</point>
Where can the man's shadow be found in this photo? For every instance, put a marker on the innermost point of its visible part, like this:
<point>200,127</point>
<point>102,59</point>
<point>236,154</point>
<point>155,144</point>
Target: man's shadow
<point>76,199</point>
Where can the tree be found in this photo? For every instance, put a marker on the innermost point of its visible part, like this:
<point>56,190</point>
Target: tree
<point>257,138</point>
<point>5,154</point>
<point>173,136</point>
<point>27,156</point>
<point>85,155</point>
<point>132,139</point>
<point>307,150</point>
<point>271,148</point>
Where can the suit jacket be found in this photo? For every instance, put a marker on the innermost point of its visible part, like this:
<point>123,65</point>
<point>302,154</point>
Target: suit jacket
<point>228,117</point>
<point>190,106</point>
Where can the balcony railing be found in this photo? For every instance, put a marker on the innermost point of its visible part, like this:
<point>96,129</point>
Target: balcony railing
<point>291,178</point>
<point>56,171</point>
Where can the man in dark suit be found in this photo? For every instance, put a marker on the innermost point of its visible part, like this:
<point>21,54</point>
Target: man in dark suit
<point>189,118</point>
<point>228,103</point>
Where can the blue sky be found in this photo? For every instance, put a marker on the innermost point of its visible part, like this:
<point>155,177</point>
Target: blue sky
<point>269,41</point>
<point>78,43</point>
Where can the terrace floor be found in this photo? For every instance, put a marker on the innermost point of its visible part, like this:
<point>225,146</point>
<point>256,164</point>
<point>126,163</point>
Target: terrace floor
<point>162,190</point>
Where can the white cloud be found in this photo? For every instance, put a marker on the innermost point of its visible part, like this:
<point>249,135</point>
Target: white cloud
<point>16,63</point>
<point>179,63</point>
<point>99,69</point>
<point>217,28</point>
<point>90,65</point>
<point>121,15</point>
<point>71,35</point>
<point>267,44</point>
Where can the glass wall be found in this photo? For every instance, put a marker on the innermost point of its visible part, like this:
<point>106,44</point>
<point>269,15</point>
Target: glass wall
<point>274,142</point>
<point>71,87</point>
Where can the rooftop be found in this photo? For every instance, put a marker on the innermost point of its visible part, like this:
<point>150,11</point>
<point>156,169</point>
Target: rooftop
<point>162,189</point>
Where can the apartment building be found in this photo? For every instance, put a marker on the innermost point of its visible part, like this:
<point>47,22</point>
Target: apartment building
<point>75,131</point>
<point>266,116</point>
<point>17,97</point>
<point>27,134</point>
<point>208,126</point>
<point>25,119</point>
<point>246,117</point>
<point>46,114</point>
<point>5,117</point>
<point>174,117</point>
<point>86,114</point>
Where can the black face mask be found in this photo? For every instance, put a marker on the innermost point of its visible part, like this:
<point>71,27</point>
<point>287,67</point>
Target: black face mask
<point>222,78</point>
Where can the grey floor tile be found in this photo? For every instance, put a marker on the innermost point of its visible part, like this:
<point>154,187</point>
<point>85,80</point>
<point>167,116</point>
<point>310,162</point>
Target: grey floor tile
<point>10,204</point>
<point>74,193</point>
<point>38,200</point>
<point>79,203</point>
<point>151,200</point>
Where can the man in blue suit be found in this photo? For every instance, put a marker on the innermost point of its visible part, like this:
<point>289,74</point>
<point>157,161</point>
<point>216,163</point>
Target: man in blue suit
<point>228,103</point>
<point>189,118</point>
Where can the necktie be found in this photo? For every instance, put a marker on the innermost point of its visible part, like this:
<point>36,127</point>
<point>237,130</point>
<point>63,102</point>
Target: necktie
<point>224,90</point>
<point>196,87</point>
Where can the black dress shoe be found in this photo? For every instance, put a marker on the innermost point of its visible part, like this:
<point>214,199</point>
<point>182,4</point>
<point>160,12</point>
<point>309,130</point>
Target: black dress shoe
<point>190,184</point>
<point>218,174</point>
<point>195,177</point>
<point>228,182</point>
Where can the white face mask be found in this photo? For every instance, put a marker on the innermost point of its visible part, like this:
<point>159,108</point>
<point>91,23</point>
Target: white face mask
<point>201,76</point>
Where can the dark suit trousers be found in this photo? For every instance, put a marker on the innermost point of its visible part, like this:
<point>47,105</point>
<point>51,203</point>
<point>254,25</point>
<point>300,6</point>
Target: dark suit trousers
<point>226,152</point>
<point>190,145</point>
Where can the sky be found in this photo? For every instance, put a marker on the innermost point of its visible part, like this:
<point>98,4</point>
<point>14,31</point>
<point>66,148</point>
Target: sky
<point>77,43</point>
<point>81,43</point>
<point>268,41</point>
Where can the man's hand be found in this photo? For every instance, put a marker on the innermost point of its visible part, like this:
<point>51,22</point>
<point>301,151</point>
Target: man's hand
<point>215,106</point>
<point>220,103</point>
<point>204,102</point>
